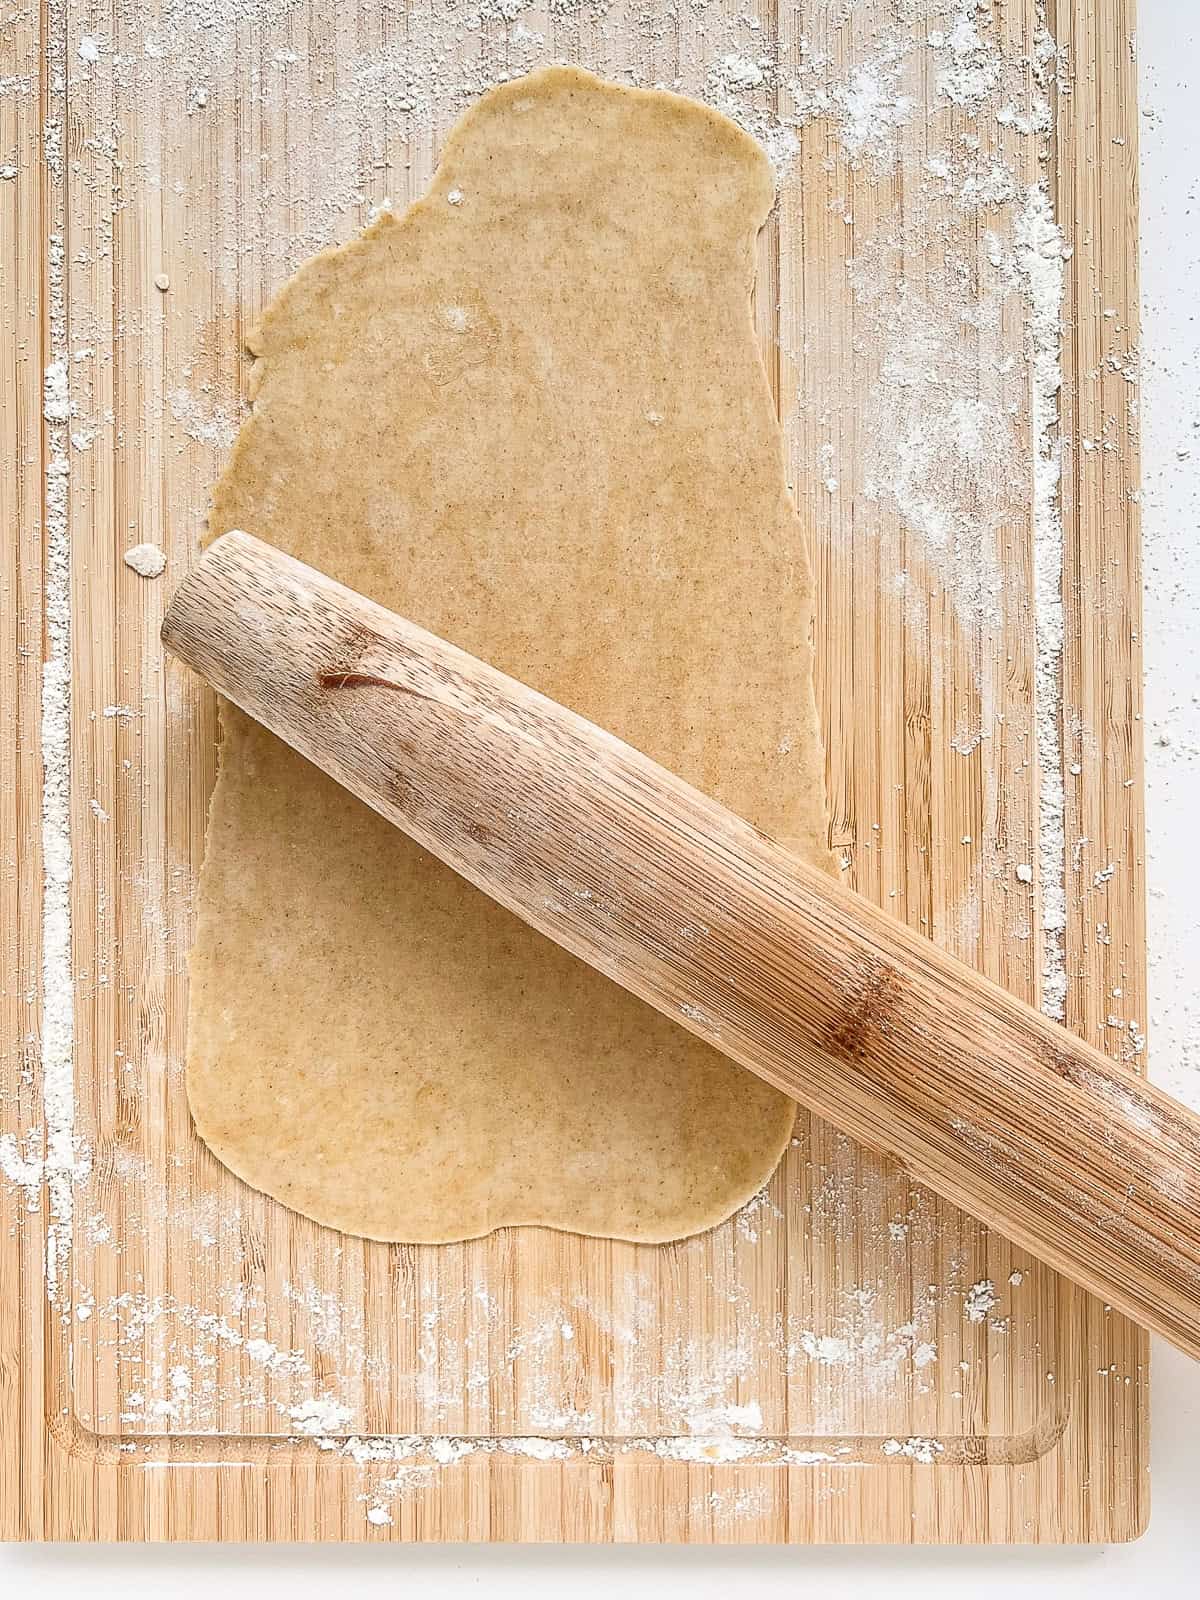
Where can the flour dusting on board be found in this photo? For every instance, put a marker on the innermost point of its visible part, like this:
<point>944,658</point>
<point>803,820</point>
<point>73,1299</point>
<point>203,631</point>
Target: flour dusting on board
<point>61,1160</point>
<point>1039,261</point>
<point>950,306</point>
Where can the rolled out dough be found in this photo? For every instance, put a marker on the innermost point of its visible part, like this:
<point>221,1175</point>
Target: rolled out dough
<point>531,415</point>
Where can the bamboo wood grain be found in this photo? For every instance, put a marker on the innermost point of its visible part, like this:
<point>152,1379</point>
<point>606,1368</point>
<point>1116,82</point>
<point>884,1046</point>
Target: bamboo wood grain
<point>1042,1408</point>
<point>683,903</point>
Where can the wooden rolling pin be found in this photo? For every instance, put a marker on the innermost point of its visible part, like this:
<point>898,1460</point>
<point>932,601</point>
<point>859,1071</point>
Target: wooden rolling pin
<point>870,1025</point>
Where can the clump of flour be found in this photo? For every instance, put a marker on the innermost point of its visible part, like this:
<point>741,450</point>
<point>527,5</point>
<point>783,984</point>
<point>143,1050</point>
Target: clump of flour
<point>147,560</point>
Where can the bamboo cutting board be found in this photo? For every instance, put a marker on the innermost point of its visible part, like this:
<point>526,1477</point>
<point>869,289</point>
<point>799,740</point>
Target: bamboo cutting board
<point>848,1358</point>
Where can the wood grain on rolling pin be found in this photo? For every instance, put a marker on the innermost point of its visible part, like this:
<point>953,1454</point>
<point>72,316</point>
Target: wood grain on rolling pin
<point>688,906</point>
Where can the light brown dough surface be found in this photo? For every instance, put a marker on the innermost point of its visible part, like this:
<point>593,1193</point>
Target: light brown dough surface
<point>530,415</point>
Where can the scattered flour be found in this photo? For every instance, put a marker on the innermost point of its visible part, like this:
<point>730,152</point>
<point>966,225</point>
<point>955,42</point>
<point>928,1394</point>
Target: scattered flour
<point>871,111</point>
<point>735,74</point>
<point>61,1166</point>
<point>320,1416</point>
<point>205,423</point>
<point>925,1451</point>
<point>56,403</point>
<point>970,68</point>
<point>1038,259</point>
<point>27,1171</point>
<point>721,1419</point>
<point>981,1297</point>
<point>877,1355</point>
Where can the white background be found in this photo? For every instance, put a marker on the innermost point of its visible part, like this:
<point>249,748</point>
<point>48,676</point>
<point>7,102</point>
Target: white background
<point>1168,1558</point>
